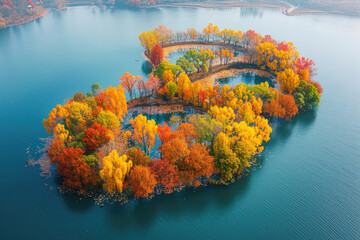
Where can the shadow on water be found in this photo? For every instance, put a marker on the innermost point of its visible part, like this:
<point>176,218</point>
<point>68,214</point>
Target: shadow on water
<point>142,213</point>
<point>74,202</point>
<point>282,129</point>
<point>146,67</point>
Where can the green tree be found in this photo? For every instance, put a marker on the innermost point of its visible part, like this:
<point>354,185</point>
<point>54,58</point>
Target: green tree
<point>186,65</point>
<point>306,96</point>
<point>96,89</point>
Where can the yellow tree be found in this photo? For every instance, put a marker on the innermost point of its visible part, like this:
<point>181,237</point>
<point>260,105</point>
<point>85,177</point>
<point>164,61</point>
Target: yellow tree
<point>183,84</point>
<point>168,76</point>
<point>55,116</point>
<point>78,117</point>
<point>288,80</point>
<point>211,31</point>
<point>108,119</point>
<point>114,100</point>
<point>195,88</point>
<point>245,112</point>
<point>144,131</point>
<point>115,169</point>
<point>211,55</point>
<point>224,115</point>
<point>149,39</point>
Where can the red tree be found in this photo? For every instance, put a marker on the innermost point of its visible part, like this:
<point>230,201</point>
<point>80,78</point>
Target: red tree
<point>76,173</point>
<point>288,103</point>
<point>164,132</point>
<point>165,173</point>
<point>283,46</point>
<point>95,136</point>
<point>268,38</point>
<point>199,163</point>
<point>154,83</point>
<point>157,55</point>
<point>282,107</point>
<point>142,181</point>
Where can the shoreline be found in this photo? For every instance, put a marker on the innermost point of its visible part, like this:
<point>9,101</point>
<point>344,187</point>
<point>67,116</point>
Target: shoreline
<point>232,72</point>
<point>286,8</point>
<point>46,11</point>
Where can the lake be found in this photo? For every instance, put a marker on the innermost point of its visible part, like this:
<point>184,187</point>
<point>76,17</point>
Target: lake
<point>306,187</point>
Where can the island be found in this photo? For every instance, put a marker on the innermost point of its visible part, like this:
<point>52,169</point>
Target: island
<point>99,147</point>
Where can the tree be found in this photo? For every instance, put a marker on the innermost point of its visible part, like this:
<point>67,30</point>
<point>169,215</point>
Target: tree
<point>251,38</point>
<point>78,97</point>
<point>149,39</point>
<point>142,181</point>
<point>166,174</point>
<point>157,55</point>
<point>225,115</point>
<point>274,109</point>
<point>166,65</point>
<point>76,174</point>
<point>108,119</point>
<point>288,80</point>
<point>268,38</point>
<point>115,169</point>
<point>206,127</point>
<point>192,33</point>
<point>164,132</point>
<point>137,156</point>
<point>199,163</point>
<point>128,81</point>
<point>305,68</point>
<point>114,100</point>
<point>264,91</point>
<point>186,65</point>
<point>208,54</point>
<point>96,89</point>
<point>172,89</point>
<point>288,103</point>
<point>56,114</point>
<point>274,58</point>
<point>226,160</point>
<point>78,116</point>
<point>183,84</point>
<point>61,139</point>
<point>306,96</point>
<point>175,150</point>
<point>144,132</point>
<point>165,35</point>
<point>211,31</point>
<point>186,131</point>
<point>154,83</point>
<point>168,76</point>
<point>95,137</point>
<point>200,60</point>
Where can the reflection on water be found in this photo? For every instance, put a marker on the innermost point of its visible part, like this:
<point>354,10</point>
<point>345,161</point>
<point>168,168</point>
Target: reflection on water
<point>143,213</point>
<point>251,78</point>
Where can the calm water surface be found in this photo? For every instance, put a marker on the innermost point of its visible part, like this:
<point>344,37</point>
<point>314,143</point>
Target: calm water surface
<point>308,186</point>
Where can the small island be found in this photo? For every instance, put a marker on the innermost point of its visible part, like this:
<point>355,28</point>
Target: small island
<point>98,146</point>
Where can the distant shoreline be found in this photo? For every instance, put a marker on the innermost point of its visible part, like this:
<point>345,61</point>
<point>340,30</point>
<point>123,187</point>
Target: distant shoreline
<point>32,18</point>
<point>284,7</point>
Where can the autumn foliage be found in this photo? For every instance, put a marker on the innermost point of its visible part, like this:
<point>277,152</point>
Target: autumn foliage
<point>157,55</point>
<point>97,143</point>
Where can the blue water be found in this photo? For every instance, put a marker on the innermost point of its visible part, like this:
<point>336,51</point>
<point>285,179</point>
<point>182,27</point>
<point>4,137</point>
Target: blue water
<point>308,184</point>
<point>250,78</point>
